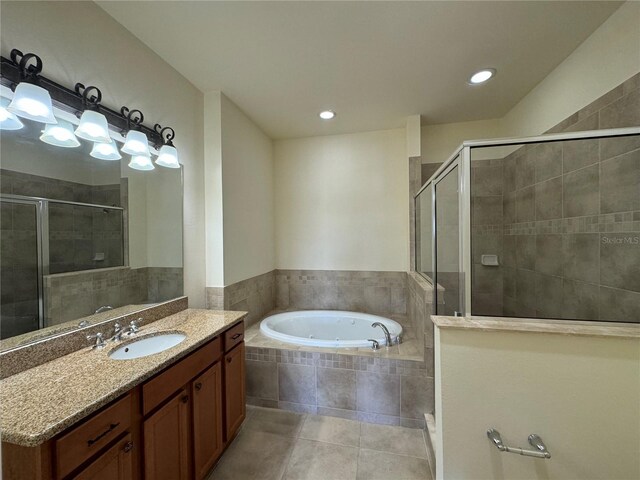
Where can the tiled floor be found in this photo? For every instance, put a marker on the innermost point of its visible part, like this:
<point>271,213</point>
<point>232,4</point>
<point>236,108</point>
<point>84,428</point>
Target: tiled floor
<point>281,445</point>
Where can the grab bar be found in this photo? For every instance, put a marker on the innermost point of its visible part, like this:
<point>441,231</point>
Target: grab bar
<point>534,440</point>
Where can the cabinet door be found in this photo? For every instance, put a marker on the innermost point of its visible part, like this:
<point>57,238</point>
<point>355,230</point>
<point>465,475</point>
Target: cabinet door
<point>114,464</point>
<point>206,392</point>
<point>234,389</point>
<point>166,441</point>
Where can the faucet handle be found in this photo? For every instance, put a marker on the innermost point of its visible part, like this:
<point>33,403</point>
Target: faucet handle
<point>375,345</point>
<point>99,338</point>
<point>133,325</point>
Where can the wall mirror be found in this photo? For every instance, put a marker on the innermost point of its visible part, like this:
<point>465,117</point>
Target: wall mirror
<point>83,239</point>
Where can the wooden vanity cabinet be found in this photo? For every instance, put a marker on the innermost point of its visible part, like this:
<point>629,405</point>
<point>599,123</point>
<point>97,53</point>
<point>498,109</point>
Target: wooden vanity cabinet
<point>166,440</point>
<point>174,426</point>
<point>234,388</point>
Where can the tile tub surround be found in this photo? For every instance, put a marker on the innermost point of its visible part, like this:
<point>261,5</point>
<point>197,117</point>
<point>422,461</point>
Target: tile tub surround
<point>568,229</point>
<point>289,445</point>
<point>37,405</point>
<point>378,293</point>
<point>374,387</point>
<point>256,295</point>
<point>26,357</point>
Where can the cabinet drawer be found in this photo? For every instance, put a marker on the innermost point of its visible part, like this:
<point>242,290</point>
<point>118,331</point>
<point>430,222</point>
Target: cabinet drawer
<point>161,387</point>
<point>88,438</point>
<point>233,336</point>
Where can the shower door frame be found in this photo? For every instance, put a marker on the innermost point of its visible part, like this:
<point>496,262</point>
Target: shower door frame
<point>42,237</point>
<point>42,233</point>
<point>464,187</point>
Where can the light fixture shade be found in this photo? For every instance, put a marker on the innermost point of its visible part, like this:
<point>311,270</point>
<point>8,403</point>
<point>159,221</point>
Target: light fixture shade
<point>93,127</point>
<point>105,151</point>
<point>141,162</point>
<point>136,143</point>
<point>168,157</point>
<point>60,135</point>
<point>8,120</point>
<point>33,103</point>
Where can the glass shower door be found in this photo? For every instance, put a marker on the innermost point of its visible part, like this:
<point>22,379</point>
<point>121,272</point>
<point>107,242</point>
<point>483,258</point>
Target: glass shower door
<point>20,282</point>
<point>447,239</point>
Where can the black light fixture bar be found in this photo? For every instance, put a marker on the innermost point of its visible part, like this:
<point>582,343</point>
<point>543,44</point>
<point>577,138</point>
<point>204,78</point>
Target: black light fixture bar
<point>11,74</point>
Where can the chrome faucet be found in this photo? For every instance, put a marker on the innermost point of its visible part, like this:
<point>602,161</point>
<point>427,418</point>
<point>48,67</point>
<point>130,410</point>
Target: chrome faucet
<point>387,335</point>
<point>104,308</point>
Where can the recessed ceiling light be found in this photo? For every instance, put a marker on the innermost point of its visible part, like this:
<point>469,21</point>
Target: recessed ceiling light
<point>482,76</point>
<point>327,114</point>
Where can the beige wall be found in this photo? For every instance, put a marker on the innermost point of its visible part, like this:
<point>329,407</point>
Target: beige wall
<point>99,51</point>
<point>239,194</point>
<point>608,57</point>
<point>341,202</point>
<point>248,198</point>
<point>580,394</point>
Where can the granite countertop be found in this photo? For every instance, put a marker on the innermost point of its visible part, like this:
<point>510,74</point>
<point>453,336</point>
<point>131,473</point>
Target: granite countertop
<point>564,327</point>
<point>41,402</point>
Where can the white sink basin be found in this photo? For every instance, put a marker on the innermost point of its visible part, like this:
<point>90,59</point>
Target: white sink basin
<point>147,346</point>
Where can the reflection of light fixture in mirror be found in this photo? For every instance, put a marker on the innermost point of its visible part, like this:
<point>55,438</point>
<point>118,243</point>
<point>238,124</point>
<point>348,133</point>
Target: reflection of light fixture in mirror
<point>136,142</point>
<point>30,100</point>
<point>93,125</point>
<point>105,151</point>
<point>141,162</point>
<point>60,135</point>
<point>168,155</point>
<point>8,121</point>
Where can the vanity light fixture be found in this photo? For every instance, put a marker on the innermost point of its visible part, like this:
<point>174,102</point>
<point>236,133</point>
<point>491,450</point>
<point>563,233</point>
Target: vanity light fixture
<point>168,156</point>
<point>30,100</point>
<point>482,76</point>
<point>327,114</point>
<point>141,162</point>
<point>8,120</point>
<point>136,142</point>
<point>105,151</point>
<point>93,125</point>
<point>60,135</point>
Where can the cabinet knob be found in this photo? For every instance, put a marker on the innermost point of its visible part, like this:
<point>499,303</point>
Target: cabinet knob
<point>128,447</point>
<point>198,386</point>
<point>185,399</point>
<point>229,359</point>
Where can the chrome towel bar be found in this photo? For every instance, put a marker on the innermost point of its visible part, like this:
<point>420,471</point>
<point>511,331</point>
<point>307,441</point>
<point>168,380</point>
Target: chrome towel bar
<point>534,440</point>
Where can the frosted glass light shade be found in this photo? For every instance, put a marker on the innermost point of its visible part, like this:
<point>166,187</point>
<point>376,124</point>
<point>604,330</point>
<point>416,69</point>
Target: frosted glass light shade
<point>168,157</point>
<point>93,127</point>
<point>33,103</point>
<point>141,162</point>
<point>105,151</point>
<point>136,143</point>
<point>60,135</point>
<point>8,120</point>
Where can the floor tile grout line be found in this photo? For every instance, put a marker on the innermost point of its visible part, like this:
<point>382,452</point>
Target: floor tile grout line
<point>393,453</point>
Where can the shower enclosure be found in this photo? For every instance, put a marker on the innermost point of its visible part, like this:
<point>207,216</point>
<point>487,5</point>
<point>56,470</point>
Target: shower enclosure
<point>544,227</point>
<point>42,236</point>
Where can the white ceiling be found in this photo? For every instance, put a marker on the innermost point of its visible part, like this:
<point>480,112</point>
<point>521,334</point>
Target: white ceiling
<point>374,63</point>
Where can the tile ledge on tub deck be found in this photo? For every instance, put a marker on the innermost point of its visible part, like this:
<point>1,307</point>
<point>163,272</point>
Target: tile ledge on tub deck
<point>539,325</point>
<point>45,400</point>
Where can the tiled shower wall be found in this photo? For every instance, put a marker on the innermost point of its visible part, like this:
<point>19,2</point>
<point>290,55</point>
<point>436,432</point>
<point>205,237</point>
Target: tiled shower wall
<point>568,228</point>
